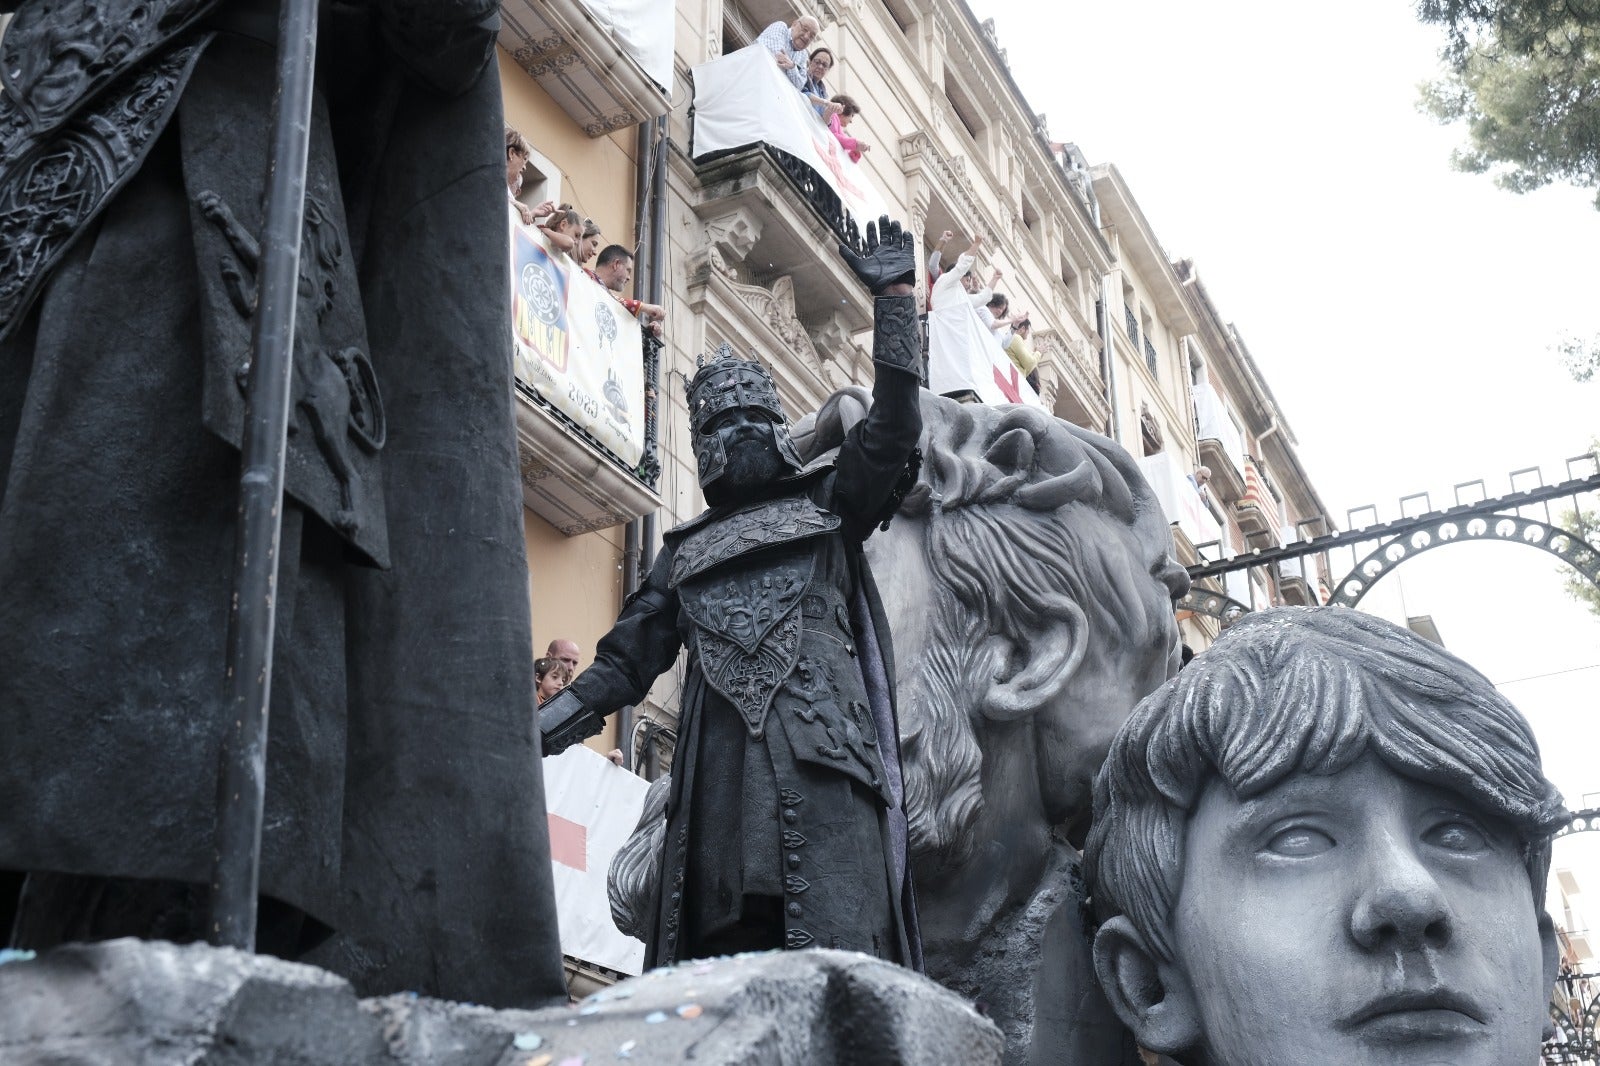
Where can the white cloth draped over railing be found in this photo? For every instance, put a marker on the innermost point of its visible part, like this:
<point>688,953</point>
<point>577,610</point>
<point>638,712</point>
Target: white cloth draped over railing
<point>1303,567</point>
<point>1213,423</point>
<point>742,99</point>
<point>962,352</point>
<point>644,29</point>
<point>576,345</point>
<point>1180,499</point>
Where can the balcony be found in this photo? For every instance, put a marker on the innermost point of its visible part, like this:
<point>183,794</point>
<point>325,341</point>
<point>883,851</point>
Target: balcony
<point>1192,523</point>
<point>742,101</point>
<point>1256,510</point>
<point>586,395</point>
<point>771,269</point>
<point>1294,589</point>
<point>1069,380</point>
<point>1221,445</point>
<point>1131,321</point>
<point>594,70</point>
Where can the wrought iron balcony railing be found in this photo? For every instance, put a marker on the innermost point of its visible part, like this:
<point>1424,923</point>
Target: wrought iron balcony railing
<point>1132,322</point>
<point>818,195</point>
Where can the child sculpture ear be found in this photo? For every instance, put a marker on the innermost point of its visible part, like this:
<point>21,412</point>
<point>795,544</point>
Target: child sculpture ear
<point>1151,996</point>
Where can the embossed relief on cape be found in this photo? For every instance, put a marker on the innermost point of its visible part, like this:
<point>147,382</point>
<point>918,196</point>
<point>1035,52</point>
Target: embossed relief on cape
<point>761,525</point>
<point>747,628</point>
<point>54,182</point>
<point>826,726</point>
<point>337,426</point>
<point>57,55</point>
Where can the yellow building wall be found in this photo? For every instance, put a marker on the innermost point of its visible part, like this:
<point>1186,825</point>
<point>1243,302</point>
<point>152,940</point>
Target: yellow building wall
<point>575,583</point>
<point>575,589</point>
<point>598,173</point>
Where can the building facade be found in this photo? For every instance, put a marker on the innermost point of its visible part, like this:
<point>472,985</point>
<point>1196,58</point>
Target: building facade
<point>1130,344</point>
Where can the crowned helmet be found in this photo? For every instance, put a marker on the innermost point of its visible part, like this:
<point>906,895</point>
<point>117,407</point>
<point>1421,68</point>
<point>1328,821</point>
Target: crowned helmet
<point>720,384</point>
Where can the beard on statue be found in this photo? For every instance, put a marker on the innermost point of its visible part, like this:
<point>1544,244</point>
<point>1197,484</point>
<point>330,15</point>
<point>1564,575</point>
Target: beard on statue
<point>753,464</point>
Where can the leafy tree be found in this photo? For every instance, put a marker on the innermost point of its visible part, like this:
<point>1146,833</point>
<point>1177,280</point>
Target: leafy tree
<point>1524,76</point>
<point>1581,357</point>
<point>1585,522</point>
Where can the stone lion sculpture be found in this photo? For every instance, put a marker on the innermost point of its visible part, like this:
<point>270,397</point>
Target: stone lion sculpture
<point>1028,581</point>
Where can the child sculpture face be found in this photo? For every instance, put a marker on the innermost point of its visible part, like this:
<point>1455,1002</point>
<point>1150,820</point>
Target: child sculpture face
<point>1359,918</point>
<point>1325,842</point>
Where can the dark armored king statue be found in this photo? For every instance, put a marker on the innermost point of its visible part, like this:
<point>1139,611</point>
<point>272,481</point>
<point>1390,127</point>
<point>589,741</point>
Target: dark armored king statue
<point>785,825</point>
<point>404,841</point>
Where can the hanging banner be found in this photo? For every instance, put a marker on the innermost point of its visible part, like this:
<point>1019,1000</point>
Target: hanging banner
<point>593,806</point>
<point>644,30</point>
<point>742,99</point>
<point>963,354</point>
<point>576,345</point>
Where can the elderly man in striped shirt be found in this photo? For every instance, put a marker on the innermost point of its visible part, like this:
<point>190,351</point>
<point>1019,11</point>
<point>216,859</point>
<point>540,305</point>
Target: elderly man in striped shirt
<point>788,43</point>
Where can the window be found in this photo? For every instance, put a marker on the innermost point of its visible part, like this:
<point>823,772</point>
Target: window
<point>541,180</point>
<point>965,110</point>
<point>900,11</point>
<point>1030,215</point>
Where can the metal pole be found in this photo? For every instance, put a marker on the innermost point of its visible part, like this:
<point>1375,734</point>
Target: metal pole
<point>241,783</point>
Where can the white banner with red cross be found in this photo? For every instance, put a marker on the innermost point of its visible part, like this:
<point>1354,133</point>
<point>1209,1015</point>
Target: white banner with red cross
<point>592,805</point>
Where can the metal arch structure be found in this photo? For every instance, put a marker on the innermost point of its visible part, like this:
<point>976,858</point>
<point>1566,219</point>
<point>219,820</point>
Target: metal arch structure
<point>1586,821</point>
<point>1575,1042</point>
<point>1577,1032</point>
<point>1224,609</point>
<point>1379,547</point>
<point>1564,544</point>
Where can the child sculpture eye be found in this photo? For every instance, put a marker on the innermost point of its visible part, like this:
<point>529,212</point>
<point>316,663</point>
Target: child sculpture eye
<point>1458,835</point>
<point>1300,842</point>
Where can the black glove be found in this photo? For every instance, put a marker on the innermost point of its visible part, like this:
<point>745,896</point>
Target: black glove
<point>564,720</point>
<point>891,256</point>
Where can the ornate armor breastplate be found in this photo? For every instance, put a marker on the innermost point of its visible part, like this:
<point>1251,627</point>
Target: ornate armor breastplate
<point>746,615</point>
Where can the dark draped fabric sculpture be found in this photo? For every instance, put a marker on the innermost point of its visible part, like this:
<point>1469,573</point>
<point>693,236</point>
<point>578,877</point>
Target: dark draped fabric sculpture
<point>785,826</point>
<point>404,808</point>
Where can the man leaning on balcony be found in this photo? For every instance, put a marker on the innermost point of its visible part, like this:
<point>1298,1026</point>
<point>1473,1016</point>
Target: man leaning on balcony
<point>788,43</point>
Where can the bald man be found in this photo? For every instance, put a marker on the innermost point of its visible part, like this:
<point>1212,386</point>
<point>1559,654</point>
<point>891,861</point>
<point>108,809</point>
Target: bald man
<point>565,650</point>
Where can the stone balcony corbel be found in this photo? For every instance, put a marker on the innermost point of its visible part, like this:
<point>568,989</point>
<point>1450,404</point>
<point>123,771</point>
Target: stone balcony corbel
<point>759,228</point>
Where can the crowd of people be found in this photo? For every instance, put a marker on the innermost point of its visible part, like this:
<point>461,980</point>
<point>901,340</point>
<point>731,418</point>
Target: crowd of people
<point>807,70</point>
<point>578,238</point>
<point>956,292</point>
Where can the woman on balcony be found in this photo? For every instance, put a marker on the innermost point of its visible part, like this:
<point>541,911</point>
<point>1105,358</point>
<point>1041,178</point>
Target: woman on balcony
<point>815,88</point>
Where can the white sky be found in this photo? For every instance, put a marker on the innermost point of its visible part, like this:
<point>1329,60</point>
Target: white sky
<point>1402,312</point>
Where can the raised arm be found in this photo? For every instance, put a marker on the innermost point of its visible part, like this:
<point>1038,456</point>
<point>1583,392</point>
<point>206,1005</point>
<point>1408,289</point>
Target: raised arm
<point>876,452</point>
<point>641,646</point>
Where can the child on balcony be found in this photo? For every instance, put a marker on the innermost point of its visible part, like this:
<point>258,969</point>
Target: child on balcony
<point>561,225</point>
<point>837,123</point>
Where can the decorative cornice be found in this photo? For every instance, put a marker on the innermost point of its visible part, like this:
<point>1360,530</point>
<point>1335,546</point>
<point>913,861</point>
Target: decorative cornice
<point>561,46</point>
<point>776,308</point>
<point>917,150</point>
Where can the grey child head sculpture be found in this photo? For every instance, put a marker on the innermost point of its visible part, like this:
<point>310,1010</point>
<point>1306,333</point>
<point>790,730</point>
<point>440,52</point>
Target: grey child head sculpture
<point>1325,842</point>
